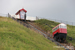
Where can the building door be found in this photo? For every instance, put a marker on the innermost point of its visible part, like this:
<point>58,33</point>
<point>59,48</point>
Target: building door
<point>22,14</point>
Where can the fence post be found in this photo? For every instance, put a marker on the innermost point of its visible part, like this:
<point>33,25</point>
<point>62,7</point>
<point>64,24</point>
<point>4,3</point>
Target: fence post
<point>37,18</point>
<point>72,24</point>
<point>8,14</point>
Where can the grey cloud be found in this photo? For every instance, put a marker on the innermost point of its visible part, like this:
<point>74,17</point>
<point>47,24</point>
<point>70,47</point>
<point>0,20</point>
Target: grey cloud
<point>54,9</point>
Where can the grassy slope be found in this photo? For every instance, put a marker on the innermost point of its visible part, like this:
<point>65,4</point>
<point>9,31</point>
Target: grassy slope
<point>14,36</point>
<point>47,25</point>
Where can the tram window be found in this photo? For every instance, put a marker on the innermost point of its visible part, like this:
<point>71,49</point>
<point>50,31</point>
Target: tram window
<point>55,28</point>
<point>63,27</point>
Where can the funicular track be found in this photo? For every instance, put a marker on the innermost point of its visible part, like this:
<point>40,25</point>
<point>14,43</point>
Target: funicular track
<point>50,37</point>
<point>45,34</point>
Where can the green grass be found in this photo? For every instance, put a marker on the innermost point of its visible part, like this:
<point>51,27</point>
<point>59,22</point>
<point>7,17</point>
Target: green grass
<point>47,26</point>
<point>14,36</point>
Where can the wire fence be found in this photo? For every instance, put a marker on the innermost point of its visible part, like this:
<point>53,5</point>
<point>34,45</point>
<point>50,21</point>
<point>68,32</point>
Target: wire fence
<point>56,20</point>
<point>3,15</point>
<point>43,33</point>
<point>70,26</point>
<point>60,21</point>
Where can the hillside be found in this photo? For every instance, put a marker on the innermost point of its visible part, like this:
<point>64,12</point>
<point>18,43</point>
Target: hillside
<point>14,36</point>
<point>47,26</point>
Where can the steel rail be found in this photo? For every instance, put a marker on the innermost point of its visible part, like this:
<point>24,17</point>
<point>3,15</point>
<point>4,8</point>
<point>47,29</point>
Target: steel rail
<point>29,25</point>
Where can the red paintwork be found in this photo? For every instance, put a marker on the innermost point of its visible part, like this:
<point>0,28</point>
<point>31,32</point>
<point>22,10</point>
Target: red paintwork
<point>57,25</point>
<point>21,10</point>
<point>60,30</point>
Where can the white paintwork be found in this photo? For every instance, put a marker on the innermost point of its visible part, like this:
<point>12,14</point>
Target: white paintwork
<point>27,17</point>
<point>62,25</point>
<point>16,16</point>
<point>30,18</point>
<point>22,14</point>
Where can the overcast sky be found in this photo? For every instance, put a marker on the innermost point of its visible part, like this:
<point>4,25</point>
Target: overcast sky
<point>53,9</point>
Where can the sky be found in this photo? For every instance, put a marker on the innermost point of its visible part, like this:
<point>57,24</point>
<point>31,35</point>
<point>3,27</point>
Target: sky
<point>50,9</point>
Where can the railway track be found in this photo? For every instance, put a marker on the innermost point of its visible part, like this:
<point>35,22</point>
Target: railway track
<point>64,45</point>
<point>45,34</point>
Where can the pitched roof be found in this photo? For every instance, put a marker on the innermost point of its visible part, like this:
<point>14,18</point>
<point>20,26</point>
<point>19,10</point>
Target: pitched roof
<point>21,10</point>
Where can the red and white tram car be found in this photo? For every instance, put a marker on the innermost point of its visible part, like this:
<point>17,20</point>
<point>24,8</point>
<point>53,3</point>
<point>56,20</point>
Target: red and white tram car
<point>60,32</point>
